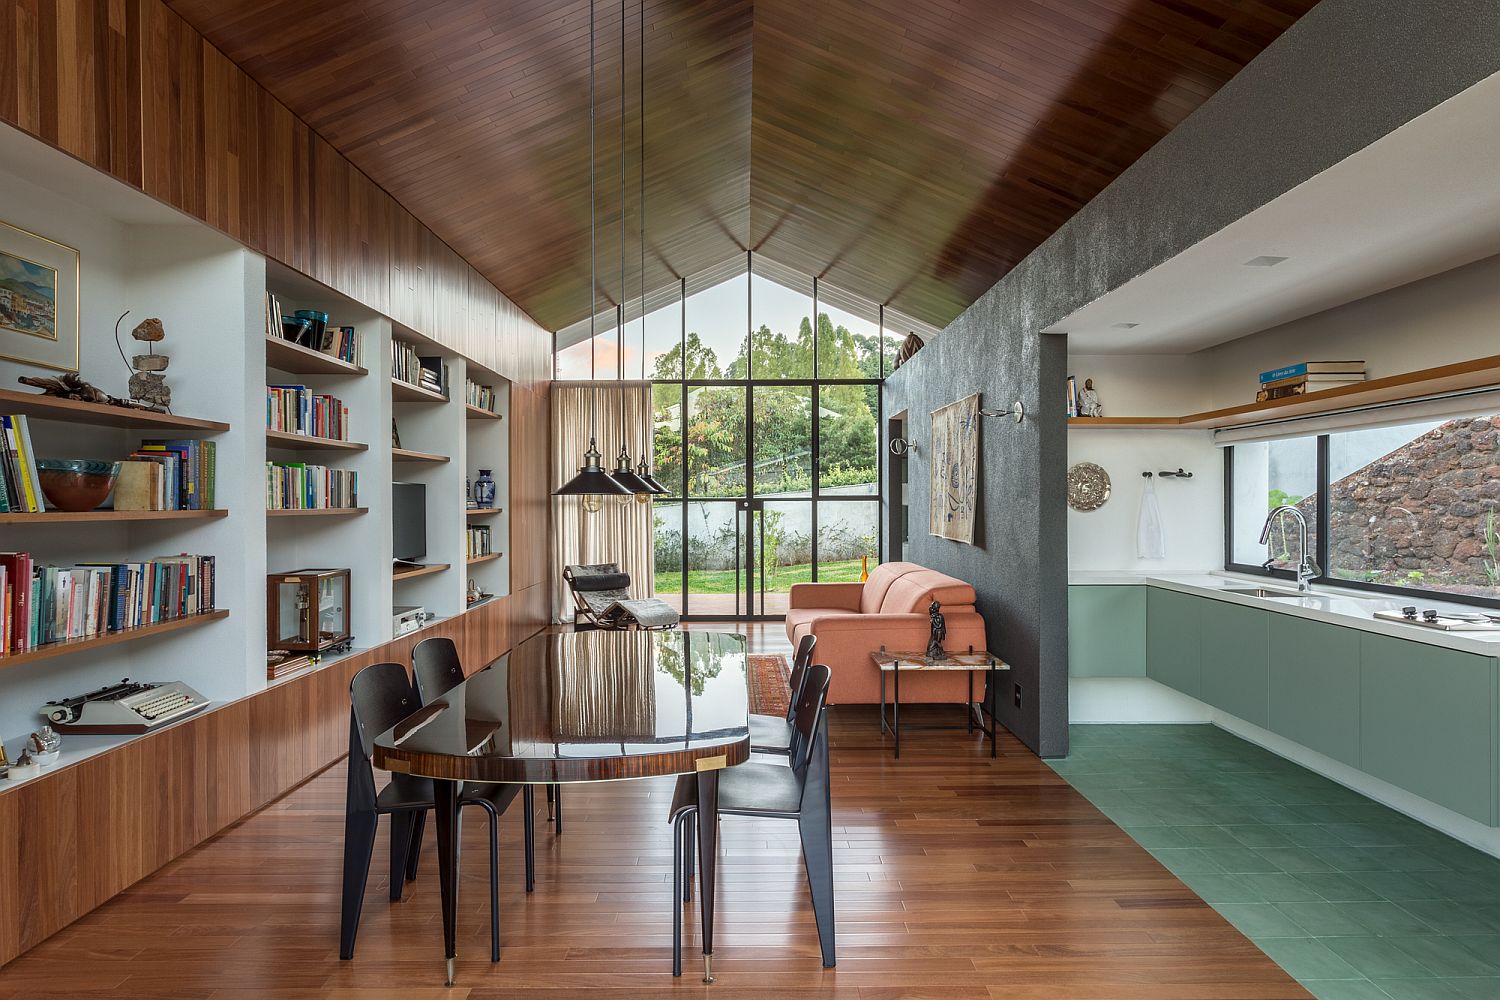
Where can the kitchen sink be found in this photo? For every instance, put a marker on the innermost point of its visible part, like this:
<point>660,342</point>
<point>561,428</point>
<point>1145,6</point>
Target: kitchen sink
<point>1262,592</point>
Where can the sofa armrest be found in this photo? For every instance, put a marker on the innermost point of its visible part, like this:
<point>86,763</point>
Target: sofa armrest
<point>826,595</point>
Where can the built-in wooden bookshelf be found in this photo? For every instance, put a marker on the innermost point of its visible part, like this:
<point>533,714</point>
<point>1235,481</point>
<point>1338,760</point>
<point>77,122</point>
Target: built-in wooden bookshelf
<point>93,642</point>
<point>405,392</point>
<point>483,511</point>
<point>109,516</point>
<point>285,356</point>
<point>291,441</point>
<point>1124,422</point>
<point>487,557</point>
<point>320,512</point>
<point>73,411</point>
<point>408,455</point>
<point>412,572</point>
<point>479,413</point>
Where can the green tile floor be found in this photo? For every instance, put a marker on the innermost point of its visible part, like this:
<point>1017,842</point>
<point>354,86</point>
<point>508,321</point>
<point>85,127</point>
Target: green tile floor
<point>1353,899</point>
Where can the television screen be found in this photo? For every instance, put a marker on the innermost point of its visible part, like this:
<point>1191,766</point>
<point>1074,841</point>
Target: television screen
<point>409,521</point>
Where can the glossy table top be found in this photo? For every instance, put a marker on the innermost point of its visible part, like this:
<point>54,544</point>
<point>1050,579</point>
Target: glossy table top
<point>585,706</point>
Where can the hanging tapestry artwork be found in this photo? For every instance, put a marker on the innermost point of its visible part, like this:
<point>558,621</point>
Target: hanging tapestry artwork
<point>955,470</point>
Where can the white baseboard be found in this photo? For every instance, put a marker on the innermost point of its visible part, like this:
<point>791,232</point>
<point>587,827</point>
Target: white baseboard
<point>1139,700</point>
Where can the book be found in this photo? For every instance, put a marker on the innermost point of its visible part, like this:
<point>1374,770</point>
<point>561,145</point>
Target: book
<point>1297,388</point>
<point>1321,380</point>
<point>1072,396</point>
<point>1313,368</point>
<point>138,486</point>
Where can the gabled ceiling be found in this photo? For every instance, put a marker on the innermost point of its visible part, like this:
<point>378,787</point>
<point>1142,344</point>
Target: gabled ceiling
<point>910,152</point>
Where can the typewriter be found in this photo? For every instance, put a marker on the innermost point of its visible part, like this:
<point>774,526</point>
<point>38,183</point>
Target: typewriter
<point>125,708</point>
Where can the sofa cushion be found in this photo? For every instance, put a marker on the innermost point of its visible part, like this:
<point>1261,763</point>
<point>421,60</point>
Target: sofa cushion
<point>913,592</point>
<point>881,578</point>
<point>806,616</point>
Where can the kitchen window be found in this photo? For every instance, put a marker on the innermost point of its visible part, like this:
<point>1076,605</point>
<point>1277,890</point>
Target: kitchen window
<point>1408,509</point>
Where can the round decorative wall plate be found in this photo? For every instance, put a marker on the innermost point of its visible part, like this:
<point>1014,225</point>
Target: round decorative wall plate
<point>1088,486</point>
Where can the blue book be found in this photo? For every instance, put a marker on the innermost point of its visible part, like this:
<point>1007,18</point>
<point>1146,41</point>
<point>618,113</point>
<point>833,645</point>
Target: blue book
<point>1313,368</point>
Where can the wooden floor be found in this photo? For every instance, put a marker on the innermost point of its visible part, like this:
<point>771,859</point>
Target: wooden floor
<point>958,877</point>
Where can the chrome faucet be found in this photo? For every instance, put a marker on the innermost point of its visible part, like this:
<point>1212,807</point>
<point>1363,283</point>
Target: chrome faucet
<point>1306,568</point>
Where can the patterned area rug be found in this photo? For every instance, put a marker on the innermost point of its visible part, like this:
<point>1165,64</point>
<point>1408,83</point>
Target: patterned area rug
<point>769,677</point>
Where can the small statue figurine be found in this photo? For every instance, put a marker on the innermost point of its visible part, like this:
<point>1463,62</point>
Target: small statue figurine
<point>68,386</point>
<point>939,633</point>
<point>1088,401</point>
<point>148,386</point>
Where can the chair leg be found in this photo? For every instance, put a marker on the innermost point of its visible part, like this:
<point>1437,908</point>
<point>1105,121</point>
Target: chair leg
<point>689,844</point>
<point>557,810</point>
<point>817,854</point>
<point>403,824</point>
<point>494,886</point>
<point>528,810</point>
<point>414,852</point>
<point>359,845</point>
<point>680,827</point>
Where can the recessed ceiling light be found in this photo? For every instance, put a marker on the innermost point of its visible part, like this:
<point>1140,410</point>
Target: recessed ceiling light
<point>1124,326</point>
<point>1264,261</point>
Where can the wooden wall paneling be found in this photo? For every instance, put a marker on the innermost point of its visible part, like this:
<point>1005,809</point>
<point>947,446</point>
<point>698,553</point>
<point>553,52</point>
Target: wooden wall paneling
<point>283,224</point>
<point>232,167</point>
<point>46,831</point>
<point>172,110</point>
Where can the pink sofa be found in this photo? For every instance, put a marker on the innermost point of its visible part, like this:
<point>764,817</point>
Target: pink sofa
<point>853,620</point>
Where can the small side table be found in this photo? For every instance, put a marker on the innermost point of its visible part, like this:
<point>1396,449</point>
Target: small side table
<point>898,663</point>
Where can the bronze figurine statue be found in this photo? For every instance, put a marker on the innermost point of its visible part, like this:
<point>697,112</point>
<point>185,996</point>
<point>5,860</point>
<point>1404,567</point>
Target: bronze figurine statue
<point>939,633</point>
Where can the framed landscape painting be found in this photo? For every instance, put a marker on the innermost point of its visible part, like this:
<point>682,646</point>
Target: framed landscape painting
<point>38,300</point>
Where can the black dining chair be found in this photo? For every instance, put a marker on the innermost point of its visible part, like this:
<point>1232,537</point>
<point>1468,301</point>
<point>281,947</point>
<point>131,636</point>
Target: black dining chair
<point>436,669</point>
<point>380,696</point>
<point>796,790</point>
<point>772,734</point>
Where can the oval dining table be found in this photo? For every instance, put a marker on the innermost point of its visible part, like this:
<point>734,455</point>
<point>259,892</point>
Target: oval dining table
<point>583,706</point>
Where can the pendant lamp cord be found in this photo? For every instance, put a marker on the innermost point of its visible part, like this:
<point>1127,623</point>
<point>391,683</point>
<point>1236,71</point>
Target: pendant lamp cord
<point>593,273</point>
<point>642,113</point>
<point>620,322</point>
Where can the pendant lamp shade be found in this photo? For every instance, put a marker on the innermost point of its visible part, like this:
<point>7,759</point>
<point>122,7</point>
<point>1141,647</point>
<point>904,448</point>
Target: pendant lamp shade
<point>643,472</point>
<point>591,480</point>
<point>627,479</point>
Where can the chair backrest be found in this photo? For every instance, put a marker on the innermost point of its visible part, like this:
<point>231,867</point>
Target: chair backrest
<point>380,696</point>
<point>800,662</point>
<point>806,715</point>
<point>435,667</point>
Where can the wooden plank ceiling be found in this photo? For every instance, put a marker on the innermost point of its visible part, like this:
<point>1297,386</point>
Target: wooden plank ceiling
<point>908,151</point>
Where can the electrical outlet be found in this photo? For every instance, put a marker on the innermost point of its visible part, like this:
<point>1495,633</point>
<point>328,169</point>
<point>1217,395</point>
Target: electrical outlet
<point>1018,696</point>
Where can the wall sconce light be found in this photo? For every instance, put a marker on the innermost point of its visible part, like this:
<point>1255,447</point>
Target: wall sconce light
<point>1017,412</point>
<point>900,446</point>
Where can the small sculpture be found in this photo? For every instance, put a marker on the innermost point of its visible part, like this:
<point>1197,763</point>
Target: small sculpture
<point>68,386</point>
<point>1088,401</point>
<point>939,633</point>
<point>911,345</point>
<point>148,386</point>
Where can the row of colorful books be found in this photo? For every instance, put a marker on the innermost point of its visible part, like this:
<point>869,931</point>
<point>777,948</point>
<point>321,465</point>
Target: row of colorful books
<point>45,604</point>
<point>1308,376</point>
<point>299,486</point>
<point>482,396</point>
<point>20,489</point>
<point>478,542</point>
<point>296,409</point>
<point>339,342</point>
<point>169,475</point>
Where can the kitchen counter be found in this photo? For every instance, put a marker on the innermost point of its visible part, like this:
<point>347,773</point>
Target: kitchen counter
<point>1335,606</point>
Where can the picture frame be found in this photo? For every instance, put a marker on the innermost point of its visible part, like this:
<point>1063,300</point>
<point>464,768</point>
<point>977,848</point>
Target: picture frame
<point>39,300</point>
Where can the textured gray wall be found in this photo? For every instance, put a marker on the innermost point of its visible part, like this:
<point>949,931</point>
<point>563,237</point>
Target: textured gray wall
<point>1346,74</point>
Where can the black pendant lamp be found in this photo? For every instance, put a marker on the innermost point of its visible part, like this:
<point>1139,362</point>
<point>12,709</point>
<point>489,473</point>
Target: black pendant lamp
<point>592,482</point>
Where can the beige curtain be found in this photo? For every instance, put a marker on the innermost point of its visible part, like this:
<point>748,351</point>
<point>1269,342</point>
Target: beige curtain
<point>617,533</point>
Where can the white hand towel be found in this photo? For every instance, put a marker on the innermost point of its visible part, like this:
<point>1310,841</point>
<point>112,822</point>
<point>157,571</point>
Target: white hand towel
<point>1148,531</point>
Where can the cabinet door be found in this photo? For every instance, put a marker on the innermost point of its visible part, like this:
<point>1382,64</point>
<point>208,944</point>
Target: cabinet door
<point>1107,631</point>
<point>1172,637</point>
<point>1314,686</point>
<point>1425,720</point>
<point>1234,676</point>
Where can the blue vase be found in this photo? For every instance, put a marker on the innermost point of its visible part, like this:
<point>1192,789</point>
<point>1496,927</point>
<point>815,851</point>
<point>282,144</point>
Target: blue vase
<point>484,490</point>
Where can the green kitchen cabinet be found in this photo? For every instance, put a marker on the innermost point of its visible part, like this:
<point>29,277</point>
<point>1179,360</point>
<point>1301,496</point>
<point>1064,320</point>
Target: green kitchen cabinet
<point>1107,631</point>
<point>1314,673</point>
<point>1427,721</point>
<point>1172,639</point>
<point>1234,672</point>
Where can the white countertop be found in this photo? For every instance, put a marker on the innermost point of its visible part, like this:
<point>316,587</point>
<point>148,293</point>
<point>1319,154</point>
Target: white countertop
<point>1352,609</point>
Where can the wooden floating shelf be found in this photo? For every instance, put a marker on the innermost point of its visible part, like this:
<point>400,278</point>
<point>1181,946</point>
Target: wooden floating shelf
<point>320,512</point>
<point>489,557</point>
<point>482,511</point>
<point>412,572</point>
<point>285,356</point>
<point>107,516</point>
<point>72,411</point>
<point>67,646</point>
<point>407,455</point>
<point>1482,373</point>
<point>479,413</point>
<point>288,440</point>
<point>405,392</point>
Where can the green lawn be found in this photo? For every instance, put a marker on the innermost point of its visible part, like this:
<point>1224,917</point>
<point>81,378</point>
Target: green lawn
<point>721,581</point>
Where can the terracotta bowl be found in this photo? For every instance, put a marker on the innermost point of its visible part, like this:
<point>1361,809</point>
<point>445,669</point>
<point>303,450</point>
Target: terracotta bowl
<point>76,484</point>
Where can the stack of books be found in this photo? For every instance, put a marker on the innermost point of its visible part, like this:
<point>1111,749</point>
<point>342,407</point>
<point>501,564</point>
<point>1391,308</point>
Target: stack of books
<point>298,486</point>
<point>424,372</point>
<point>338,341</point>
<point>481,396</point>
<point>45,604</point>
<point>20,489</point>
<point>1308,376</point>
<point>478,543</point>
<point>169,475</point>
<point>296,409</point>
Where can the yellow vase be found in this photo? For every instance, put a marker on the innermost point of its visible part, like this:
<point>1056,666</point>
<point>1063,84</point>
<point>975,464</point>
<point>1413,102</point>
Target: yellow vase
<point>864,568</point>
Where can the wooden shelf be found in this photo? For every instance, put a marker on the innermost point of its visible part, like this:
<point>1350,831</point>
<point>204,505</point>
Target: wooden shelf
<point>490,557</point>
<point>285,356</point>
<point>1482,373</point>
<point>67,646</point>
<point>482,511</point>
<point>290,441</point>
<point>412,572</point>
<point>405,392</point>
<point>479,413</point>
<point>72,411</point>
<point>106,516</point>
<point>320,512</point>
<point>407,455</point>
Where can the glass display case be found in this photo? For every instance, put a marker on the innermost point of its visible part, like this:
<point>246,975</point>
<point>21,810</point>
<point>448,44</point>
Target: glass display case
<point>307,611</point>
